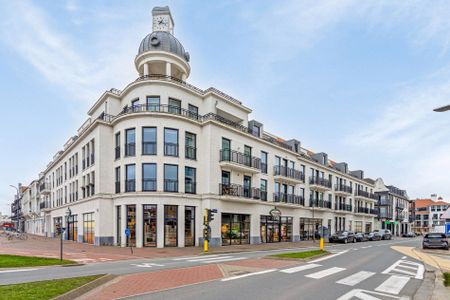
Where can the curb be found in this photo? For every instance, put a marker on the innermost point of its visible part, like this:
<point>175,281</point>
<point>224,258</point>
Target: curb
<point>425,291</point>
<point>79,291</point>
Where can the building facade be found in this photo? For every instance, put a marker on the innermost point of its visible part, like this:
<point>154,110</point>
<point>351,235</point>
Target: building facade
<point>428,213</point>
<point>151,157</point>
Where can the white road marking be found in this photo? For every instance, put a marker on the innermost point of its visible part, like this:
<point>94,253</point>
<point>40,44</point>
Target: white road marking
<point>193,257</point>
<point>393,285</point>
<point>366,295</point>
<point>328,257</point>
<point>18,270</point>
<point>300,268</point>
<point>356,278</point>
<point>147,265</point>
<point>403,257</point>
<point>208,258</point>
<point>222,260</point>
<point>396,267</point>
<point>324,273</point>
<point>249,274</point>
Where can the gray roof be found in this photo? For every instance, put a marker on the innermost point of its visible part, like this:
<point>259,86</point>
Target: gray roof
<point>163,41</point>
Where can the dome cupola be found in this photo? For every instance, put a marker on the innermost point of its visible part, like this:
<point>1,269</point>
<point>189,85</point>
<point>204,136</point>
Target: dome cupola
<point>160,52</point>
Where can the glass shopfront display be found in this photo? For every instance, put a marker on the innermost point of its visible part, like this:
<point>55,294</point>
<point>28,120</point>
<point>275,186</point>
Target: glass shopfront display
<point>358,226</point>
<point>88,228</point>
<point>309,228</point>
<point>170,225</point>
<point>72,227</point>
<point>131,224</point>
<point>276,229</point>
<point>235,229</point>
<point>149,220</point>
<point>189,226</point>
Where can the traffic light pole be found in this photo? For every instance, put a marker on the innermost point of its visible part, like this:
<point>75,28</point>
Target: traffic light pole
<point>207,218</point>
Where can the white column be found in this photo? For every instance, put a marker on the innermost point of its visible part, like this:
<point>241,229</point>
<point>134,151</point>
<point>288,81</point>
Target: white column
<point>168,69</point>
<point>255,227</point>
<point>146,69</point>
<point>123,225</point>
<point>160,226</point>
<point>180,225</point>
<point>139,225</point>
<point>296,229</point>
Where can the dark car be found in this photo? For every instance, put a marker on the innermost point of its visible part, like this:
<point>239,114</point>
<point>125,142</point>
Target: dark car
<point>409,234</point>
<point>342,237</point>
<point>361,237</point>
<point>385,234</point>
<point>374,236</point>
<point>435,240</point>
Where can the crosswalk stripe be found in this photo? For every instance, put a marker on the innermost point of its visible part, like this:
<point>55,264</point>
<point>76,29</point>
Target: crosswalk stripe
<point>393,285</point>
<point>328,256</point>
<point>300,268</point>
<point>404,272</point>
<point>194,257</point>
<point>356,278</point>
<point>222,260</point>
<point>324,273</point>
<point>208,258</point>
<point>249,274</point>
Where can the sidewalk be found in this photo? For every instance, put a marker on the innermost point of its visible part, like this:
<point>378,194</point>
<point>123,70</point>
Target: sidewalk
<point>84,253</point>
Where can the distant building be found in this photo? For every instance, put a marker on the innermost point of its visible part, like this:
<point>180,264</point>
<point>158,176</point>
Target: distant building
<point>428,213</point>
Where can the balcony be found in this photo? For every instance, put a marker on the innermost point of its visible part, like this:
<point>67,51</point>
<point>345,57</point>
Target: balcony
<point>130,186</point>
<point>239,161</point>
<point>342,190</point>
<point>288,175</point>
<point>363,195</point>
<point>288,198</point>
<point>236,190</point>
<point>44,206</point>
<point>171,185</point>
<point>148,148</point>
<point>130,149</point>
<point>343,207</point>
<point>149,185</point>
<point>319,184</point>
<point>44,188</point>
<point>171,149</point>
<point>319,203</point>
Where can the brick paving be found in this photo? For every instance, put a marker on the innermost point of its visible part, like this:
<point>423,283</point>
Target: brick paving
<point>84,253</point>
<point>147,282</point>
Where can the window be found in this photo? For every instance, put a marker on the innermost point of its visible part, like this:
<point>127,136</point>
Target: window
<point>149,141</point>
<point>174,106</point>
<point>131,224</point>
<point>152,103</point>
<point>149,177</point>
<point>191,145</point>
<point>247,155</point>
<point>226,149</point>
<point>263,190</point>
<point>135,105</point>
<point>170,225</point>
<point>226,178</point>
<point>130,142</point>
<point>189,180</point>
<point>256,130</point>
<point>264,162</point>
<point>170,178</point>
<point>117,180</point>
<point>170,142</point>
<point>247,186</point>
<point>88,228</point>
<point>193,111</point>
<point>149,219</point>
<point>189,226</point>
<point>117,149</point>
<point>130,180</point>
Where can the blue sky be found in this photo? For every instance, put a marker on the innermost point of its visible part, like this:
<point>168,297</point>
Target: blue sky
<point>355,79</point>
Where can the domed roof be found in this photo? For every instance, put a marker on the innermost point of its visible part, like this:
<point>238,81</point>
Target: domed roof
<point>163,41</point>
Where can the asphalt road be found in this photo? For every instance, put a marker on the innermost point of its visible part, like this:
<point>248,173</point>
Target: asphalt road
<point>355,273</point>
<point>377,255</point>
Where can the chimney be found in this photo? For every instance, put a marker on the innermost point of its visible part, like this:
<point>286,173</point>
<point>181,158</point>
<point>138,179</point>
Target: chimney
<point>434,197</point>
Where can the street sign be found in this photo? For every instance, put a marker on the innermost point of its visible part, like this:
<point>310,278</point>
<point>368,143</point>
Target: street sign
<point>447,228</point>
<point>127,231</point>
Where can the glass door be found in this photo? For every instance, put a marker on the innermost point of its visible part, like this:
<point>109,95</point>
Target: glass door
<point>170,225</point>
<point>149,220</point>
<point>189,226</point>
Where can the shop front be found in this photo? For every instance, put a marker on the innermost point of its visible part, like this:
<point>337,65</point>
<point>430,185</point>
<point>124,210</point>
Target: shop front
<point>235,229</point>
<point>276,229</point>
<point>309,228</point>
<point>72,226</point>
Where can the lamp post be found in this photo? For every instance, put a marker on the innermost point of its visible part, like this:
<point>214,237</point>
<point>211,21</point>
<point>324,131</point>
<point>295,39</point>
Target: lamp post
<point>68,214</point>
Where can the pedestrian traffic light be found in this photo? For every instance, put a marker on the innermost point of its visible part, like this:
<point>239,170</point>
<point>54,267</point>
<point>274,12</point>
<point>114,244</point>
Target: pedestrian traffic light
<point>210,215</point>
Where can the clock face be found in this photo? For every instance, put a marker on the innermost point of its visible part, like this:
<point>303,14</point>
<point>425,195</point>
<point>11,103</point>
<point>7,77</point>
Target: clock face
<point>161,23</point>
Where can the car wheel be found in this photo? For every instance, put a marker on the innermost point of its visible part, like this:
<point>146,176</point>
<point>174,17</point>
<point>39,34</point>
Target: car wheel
<point>345,241</point>
<point>354,240</point>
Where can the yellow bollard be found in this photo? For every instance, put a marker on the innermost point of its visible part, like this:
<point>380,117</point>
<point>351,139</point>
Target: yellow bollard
<point>321,243</point>
<point>205,246</point>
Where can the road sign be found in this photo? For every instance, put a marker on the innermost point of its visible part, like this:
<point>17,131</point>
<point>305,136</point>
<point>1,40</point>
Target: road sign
<point>127,231</point>
<point>447,228</point>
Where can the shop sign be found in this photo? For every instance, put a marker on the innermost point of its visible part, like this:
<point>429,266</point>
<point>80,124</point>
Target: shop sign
<point>275,213</point>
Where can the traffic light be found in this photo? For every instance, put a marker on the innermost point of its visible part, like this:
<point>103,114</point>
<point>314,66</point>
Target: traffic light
<point>207,233</point>
<point>208,216</point>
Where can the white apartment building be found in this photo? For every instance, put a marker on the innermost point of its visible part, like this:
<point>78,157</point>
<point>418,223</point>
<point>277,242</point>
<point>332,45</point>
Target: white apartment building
<point>152,156</point>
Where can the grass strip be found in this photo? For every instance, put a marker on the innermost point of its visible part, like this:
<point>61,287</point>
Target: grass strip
<point>17,261</point>
<point>42,290</point>
<point>301,255</point>
<point>447,279</point>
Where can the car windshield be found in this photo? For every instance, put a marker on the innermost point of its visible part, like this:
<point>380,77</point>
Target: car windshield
<point>341,232</point>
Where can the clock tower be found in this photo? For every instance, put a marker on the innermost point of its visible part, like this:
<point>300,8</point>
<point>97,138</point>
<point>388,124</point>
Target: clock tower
<point>162,19</point>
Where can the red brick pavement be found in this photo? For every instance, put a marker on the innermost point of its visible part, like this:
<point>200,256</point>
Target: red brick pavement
<point>147,282</point>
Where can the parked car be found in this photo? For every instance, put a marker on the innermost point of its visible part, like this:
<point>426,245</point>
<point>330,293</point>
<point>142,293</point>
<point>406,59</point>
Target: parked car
<point>361,237</point>
<point>343,237</point>
<point>374,236</point>
<point>435,240</point>
<point>409,234</point>
<point>385,234</point>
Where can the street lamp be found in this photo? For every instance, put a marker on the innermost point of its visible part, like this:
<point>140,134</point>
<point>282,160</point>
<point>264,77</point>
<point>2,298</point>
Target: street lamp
<point>442,109</point>
<point>68,214</point>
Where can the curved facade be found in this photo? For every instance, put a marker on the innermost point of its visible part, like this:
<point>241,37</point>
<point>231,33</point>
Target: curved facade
<point>154,155</point>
